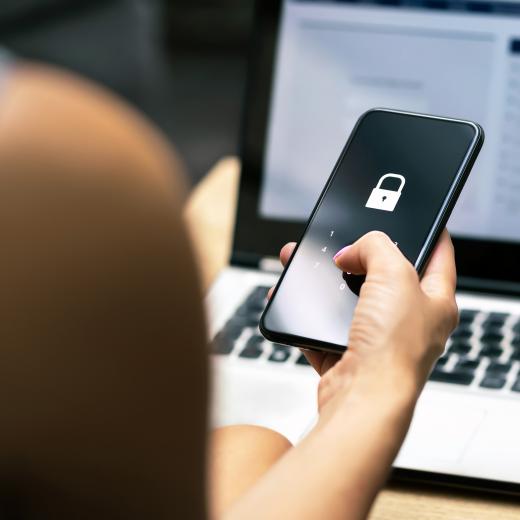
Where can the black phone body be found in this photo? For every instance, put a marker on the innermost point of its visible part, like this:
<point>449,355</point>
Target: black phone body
<point>400,173</point>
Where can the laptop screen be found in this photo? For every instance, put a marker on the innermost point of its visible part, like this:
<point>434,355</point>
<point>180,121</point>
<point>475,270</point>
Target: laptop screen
<point>335,60</point>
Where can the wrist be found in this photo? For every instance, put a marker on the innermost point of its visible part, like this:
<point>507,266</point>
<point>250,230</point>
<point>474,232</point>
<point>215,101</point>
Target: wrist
<point>388,371</point>
<point>381,394</point>
<point>398,387</point>
<point>365,433</point>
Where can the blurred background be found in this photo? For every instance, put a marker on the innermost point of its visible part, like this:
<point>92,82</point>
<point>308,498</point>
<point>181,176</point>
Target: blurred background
<point>182,62</point>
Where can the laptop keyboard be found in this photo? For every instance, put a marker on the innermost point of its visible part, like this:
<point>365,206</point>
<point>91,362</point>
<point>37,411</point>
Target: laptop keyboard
<point>483,351</point>
<point>240,335</point>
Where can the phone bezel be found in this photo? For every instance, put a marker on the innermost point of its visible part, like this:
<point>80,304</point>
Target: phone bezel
<point>438,225</point>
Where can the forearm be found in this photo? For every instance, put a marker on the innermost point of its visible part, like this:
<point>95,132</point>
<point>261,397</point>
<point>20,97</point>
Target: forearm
<point>338,469</point>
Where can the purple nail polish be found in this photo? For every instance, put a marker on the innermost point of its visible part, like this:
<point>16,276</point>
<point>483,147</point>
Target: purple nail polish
<point>340,252</point>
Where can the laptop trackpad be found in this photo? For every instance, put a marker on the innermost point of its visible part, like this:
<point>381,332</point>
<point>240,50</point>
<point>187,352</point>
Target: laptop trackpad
<point>441,431</point>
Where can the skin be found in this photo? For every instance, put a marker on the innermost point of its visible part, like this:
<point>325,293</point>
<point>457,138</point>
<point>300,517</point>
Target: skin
<point>99,299</point>
<point>372,388</point>
<point>104,408</point>
<point>240,455</point>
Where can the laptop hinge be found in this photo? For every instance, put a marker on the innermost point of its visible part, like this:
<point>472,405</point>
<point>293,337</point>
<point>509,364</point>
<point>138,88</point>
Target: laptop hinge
<point>268,264</point>
<point>241,259</point>
<point>488,286</point>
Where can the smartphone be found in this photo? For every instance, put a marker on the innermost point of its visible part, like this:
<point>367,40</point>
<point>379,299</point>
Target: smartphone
<point>400,173</point>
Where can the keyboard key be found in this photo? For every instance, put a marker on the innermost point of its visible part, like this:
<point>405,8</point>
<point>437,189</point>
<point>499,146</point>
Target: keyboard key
<point>259,293</point>
<point>498,368</point>
<point>232,329</point>
<point>248,317</point>
<point>221,344</point>
<point>254,347</point>
<point>459,347</point>
<point>302,360</point>
<point>491,351</point>
<point>467,316</point>
<point>256,300</point>
<point>280,353</point>
<point>253,320</point>
<point>491,337</point>
<point>495,319</point>
<point>467,364</point>
<point>457,377</point>
<point>515,356</point>
<point>516,327</point>
<point>442,361</point>
<point>516,386</point>
<point>255,306</point>
<point>251,353</point>
<point>515,342</point>
<point>235,321</point>
<point>255,340</point>
<point>491,328</point>
<point>494,381</point>
<point>462,332</point>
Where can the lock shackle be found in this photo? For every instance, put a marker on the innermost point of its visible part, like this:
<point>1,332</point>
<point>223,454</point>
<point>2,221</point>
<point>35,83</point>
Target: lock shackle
<point>395,176</point>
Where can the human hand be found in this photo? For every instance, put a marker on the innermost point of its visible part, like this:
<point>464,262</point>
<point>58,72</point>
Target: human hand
<point>400,324</point>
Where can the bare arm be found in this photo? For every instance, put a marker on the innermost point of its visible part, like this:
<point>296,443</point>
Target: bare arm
<point>367,398</point>
<point>338,469</point>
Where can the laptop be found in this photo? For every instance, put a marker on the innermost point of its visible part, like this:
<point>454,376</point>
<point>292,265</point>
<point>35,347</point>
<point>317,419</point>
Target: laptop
<point>316,66</point>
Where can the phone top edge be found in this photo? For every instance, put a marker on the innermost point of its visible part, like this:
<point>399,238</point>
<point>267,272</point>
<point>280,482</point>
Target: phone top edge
<point>476,126</point>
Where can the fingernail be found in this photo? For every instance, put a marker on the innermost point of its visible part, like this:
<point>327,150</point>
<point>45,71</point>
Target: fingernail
<point>340,252</point>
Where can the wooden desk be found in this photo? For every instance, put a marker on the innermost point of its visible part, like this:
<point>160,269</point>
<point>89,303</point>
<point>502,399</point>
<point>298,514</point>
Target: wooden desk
<point>210,214</point>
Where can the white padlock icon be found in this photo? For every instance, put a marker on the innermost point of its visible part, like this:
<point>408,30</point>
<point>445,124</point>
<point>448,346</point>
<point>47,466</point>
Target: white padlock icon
<point>385,200</point>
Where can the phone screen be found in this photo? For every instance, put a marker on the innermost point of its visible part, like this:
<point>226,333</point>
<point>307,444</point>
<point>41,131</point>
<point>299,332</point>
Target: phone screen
<point>394,175</point>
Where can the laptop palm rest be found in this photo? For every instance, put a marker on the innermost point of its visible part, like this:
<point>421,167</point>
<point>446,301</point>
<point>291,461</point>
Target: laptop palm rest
<point>463,434</point>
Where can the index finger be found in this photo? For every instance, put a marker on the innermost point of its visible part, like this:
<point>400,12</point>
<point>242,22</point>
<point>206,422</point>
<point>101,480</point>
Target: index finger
<point>286,252</point>
<point>373,252</point>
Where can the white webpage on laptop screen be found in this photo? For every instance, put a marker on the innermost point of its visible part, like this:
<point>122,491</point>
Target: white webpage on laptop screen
<point>336,60</point>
